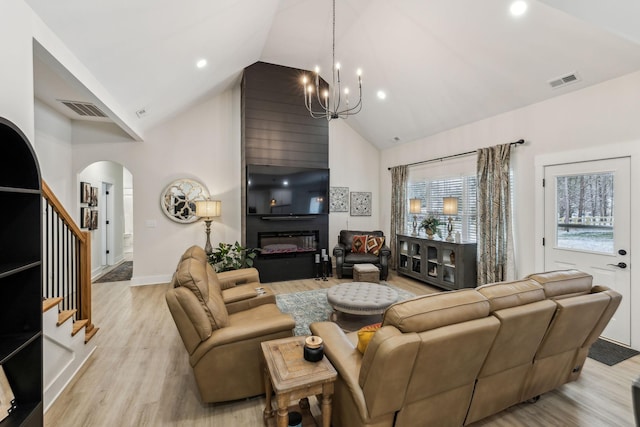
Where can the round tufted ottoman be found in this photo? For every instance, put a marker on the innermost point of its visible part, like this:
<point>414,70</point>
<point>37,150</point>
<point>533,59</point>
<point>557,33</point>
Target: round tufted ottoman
<point>361,298</point>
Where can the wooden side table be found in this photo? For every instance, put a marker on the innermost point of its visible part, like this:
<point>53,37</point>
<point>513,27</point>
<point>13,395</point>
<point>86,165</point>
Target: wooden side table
<point>292,377</point>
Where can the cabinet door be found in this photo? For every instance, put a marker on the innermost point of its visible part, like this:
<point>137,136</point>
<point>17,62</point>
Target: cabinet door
<point>403,255</point>
<point>434,261</point>
<point>449,275</point>
<point>416,252</point>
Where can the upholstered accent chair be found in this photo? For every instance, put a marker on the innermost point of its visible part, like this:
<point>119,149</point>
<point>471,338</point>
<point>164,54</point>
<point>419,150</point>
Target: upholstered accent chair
<point>222,319</point>
<point>372,250</point>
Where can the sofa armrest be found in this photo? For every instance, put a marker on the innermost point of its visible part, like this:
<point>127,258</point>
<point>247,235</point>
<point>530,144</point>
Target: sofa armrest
<point>339,250</point>
<point>231,278</point>
<point>245,297</point>
<point>385,252</point>
<point>345,357</point>
<point>238,293</point>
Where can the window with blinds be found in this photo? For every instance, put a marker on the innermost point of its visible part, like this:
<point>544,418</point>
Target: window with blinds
<point>431,192</point>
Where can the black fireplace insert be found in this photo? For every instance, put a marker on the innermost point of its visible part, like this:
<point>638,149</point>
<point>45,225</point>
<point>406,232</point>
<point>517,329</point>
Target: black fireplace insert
<point>287,242</point>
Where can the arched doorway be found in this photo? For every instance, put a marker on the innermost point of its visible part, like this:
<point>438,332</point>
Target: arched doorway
<point>111,211</point>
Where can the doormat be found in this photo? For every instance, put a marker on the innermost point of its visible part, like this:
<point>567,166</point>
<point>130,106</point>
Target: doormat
<point>609,353</point>
<point>123,271</point>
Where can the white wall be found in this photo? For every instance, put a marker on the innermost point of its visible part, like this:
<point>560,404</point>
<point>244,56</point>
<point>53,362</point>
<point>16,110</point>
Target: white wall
<point>16,85</point>
<point>354,163</point>
<point>601,119</point>
<point>202,143</point>
<point>53,147</point>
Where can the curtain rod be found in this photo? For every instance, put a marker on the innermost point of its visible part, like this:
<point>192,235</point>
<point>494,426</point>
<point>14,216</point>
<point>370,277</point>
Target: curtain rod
<point>518,142</point>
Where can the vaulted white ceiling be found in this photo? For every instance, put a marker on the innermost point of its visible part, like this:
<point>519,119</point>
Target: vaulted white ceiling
<point>442,63</point>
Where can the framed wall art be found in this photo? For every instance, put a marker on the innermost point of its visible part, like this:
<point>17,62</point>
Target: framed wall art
<point>85,218</point>
<point>339,199</point>
<point>94,220</point>
<point>94,196</point>
<point>360,203</point>
<point>85,192</point>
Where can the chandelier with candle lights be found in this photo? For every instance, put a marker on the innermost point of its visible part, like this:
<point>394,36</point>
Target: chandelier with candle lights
<point>330,99</point>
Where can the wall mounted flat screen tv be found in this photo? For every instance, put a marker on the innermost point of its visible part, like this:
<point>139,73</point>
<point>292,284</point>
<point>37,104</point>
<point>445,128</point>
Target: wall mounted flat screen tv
<point>282,190</point>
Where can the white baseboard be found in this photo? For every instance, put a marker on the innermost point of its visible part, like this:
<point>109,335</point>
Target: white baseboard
<point>150,280</point>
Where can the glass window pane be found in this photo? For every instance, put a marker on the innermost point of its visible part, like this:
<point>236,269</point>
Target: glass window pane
<point>584,206</point>
<point>431,192</point>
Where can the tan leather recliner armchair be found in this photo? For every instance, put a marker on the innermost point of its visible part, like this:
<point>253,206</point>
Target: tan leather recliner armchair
<point>223,340</point>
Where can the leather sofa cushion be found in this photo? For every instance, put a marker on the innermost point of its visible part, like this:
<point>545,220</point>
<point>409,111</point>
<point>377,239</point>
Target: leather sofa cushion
<point>564,283</point>
<point>196,252</point>
<point>436,310</point>
<point>503,295</point>
<point>192,274</point>
<point>198,328</point>
<point>356,258</point>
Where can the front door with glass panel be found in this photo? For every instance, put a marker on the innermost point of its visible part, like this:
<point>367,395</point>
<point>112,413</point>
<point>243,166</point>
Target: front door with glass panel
<point>587,227</point>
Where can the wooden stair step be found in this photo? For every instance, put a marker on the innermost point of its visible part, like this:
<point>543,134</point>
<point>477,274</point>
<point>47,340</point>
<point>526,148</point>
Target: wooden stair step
<point>90,334</point>
<point>49,303</point>
<point>78,325</point>
<point>65,315</point>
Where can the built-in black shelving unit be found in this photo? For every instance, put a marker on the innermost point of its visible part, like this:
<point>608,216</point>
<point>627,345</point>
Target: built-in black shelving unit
<point>21,276</point>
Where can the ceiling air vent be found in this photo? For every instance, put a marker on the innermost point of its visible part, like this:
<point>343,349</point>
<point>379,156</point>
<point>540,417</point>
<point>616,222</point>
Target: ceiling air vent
<point>564,80</point>
<point>85,109</point>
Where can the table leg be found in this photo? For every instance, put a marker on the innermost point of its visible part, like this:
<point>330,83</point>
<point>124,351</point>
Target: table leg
<point>283,409</point>
<point>327,395</point>
<point>268,410</point>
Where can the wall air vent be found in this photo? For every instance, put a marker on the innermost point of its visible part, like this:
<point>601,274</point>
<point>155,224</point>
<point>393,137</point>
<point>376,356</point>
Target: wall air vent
<point>84,109</point>
<point>564,80</point>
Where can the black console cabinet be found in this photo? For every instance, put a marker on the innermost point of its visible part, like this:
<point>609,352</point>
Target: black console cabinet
<point>21,276</point>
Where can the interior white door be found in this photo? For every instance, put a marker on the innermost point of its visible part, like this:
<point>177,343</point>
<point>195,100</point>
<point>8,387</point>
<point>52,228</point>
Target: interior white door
<point>588,227</point>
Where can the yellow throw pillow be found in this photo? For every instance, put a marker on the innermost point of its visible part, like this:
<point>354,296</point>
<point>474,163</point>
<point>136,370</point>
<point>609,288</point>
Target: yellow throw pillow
<point>365,334</point>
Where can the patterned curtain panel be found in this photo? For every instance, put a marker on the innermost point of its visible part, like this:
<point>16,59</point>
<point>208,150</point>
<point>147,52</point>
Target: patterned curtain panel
<point>495,235</point>
<point>398,208</point>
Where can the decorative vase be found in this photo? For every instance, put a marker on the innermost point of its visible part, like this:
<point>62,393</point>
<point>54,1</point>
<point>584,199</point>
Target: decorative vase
<point>429,234</point>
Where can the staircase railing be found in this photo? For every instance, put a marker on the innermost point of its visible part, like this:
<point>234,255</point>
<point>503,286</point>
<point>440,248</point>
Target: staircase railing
<point>66,260</point>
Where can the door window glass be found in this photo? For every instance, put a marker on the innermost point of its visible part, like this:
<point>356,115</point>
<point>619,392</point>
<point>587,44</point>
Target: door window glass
<point>584,206</point>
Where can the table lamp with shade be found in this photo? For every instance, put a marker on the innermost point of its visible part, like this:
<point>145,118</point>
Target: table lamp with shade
<point>208,209</point>
<point>414,208</point>
<point>450,207</point>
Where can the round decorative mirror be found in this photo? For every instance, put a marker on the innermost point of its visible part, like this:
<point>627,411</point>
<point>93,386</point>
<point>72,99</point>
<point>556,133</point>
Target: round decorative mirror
<point>178,200</point>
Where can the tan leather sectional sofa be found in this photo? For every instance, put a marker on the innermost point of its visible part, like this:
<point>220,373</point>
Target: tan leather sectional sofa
<point>222,320</point>
<point>453,358</point>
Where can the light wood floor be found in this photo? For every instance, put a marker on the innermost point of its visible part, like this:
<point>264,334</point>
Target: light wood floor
<point>139,375</point>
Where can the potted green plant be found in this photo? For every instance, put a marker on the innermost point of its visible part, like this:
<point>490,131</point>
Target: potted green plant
<point>430,225</point>
<point>229,256</point>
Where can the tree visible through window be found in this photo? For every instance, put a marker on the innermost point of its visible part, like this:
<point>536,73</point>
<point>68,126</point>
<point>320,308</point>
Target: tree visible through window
<point>432,192</point>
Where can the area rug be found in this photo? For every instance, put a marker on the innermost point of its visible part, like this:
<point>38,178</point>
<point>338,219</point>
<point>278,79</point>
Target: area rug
<point>609,353</point>
<point>123,271</point>
<point>312,306</point>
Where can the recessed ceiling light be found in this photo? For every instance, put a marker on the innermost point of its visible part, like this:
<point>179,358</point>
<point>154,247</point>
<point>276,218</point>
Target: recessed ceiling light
<point>518,7</point>
<point>381,95</point>
<point>201,63</point>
